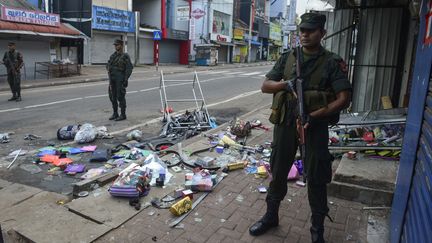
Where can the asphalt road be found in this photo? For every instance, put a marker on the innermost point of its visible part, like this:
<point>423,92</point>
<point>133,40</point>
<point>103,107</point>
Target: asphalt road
<point>228,93</point>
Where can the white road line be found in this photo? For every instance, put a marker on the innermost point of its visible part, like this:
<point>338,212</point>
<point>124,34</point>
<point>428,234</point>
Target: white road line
<point>262,75</point>
<point>95,96</point>
<point>14,109</point>
<point>232,73</point>
<point>52,103</point>
<point>250,74</point>
<point>217,72</point>
<point>103,95</point>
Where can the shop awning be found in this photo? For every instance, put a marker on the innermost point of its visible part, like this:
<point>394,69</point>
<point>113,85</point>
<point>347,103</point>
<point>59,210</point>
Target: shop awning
<point>256,43</point>
<point>240,43</point>
<point>223,43</point>
<point>64,31</point>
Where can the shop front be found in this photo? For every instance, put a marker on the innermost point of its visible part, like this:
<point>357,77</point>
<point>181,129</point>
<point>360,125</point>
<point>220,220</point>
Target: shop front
<point>224,49</point>
<point>276,43</point>
<point>41,38</point>
<point>239,52</point>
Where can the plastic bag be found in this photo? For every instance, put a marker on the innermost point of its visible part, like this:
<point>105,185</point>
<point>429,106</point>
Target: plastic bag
<point>134,135</point>
<point>86,134</point>
<point>67,132</point>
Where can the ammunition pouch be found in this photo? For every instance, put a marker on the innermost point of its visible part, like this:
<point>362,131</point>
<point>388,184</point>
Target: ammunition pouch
<point>278,107</point>
<point>317,99</point>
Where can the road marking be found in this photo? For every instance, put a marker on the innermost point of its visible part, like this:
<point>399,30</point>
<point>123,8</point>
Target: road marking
<point>103,95</point>
<point>13,109</point>
<point>217,72</point>
<point>232,73</point>
<point>250,74</point>
<point>262,75</point>
<point>52,103</point>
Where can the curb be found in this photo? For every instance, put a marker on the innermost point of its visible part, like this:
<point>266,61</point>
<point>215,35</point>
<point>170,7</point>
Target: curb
<point>98,79</point>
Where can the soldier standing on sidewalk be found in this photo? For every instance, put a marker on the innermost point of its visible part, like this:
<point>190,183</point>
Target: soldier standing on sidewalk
<point>119,70</point>
<point>326,92</point>
<point>13,60</point>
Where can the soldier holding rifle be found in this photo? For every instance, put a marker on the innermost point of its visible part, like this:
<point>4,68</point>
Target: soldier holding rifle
<point>13,60</point>
<point>326,91</point>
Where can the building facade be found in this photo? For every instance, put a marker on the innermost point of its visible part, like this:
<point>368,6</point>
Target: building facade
<point>41,37</point>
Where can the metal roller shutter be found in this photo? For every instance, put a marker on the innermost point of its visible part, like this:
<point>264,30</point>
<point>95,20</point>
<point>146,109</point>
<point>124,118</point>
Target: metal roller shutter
<point>418,218</point>
<point>146,51</point>
<point>102,47</point>
<point>169,51</point>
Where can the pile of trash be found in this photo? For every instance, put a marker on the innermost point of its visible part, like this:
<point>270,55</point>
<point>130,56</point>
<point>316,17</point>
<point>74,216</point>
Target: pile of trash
<point>85,133</point>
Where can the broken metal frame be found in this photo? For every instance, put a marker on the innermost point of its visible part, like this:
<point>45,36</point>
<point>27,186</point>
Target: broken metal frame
<point>202,122</point>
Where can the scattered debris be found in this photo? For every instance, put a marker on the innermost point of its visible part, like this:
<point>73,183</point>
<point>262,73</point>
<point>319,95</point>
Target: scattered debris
<point>17,153</point>
<point>31,137</point>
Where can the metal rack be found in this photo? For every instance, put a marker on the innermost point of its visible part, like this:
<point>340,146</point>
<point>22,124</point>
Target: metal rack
<point>201,115</point>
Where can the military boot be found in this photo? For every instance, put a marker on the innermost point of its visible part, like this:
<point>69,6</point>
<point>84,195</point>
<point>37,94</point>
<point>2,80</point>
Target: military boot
<point>18,97</point>
<point>317,228</point>
<point>122,115</point>
<point>114,115</point>
<point>13,97</point>
<point>268,221</point>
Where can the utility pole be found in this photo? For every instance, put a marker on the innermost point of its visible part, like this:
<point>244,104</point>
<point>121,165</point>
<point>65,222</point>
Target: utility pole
<point>137,32</point>
<point>209,24</point>
<point>250,30</point>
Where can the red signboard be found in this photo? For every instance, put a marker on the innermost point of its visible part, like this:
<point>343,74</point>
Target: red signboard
<point>198,13</point>
<point>29,16</point>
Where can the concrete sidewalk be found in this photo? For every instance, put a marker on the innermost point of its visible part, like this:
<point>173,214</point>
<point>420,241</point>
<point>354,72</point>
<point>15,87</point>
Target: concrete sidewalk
<point>96,73</point>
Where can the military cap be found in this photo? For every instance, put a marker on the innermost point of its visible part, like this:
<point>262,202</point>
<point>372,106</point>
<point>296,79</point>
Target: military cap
<point>11,43</point>
<point>118,42</point>
<point>312,21</point>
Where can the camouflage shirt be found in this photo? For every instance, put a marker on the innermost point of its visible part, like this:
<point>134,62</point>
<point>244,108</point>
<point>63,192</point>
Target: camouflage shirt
<point>13,59</point>
<point>119,67</point>
<point>334,75</point>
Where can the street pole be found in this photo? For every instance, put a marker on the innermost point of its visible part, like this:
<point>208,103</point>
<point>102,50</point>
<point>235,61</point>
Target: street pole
<point>250,31</point>
<point>157,55</point>
<point>137,32</point>
<point>209,24</point>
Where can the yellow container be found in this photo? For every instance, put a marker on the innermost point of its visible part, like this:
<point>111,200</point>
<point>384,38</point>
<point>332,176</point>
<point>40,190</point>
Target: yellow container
<point>181,206</point>
<point>236,166</point>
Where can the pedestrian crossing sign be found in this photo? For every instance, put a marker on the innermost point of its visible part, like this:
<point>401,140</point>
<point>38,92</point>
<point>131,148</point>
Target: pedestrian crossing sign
<point>157,35</point>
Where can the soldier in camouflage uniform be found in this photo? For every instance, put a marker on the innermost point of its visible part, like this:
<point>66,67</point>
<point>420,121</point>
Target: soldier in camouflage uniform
<point>326,92</point>
<point>119,70</point>
<point>13,60</point>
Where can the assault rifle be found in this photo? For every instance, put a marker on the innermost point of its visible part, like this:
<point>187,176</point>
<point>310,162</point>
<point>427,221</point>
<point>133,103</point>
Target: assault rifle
<point>296,87</point>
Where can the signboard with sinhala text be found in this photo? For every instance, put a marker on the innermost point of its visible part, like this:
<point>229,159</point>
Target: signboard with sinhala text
<point>29,16</point>
<point>113,19</point>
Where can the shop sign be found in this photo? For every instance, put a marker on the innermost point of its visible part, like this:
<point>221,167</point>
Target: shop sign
<point>29,16</point>
<point>275,32</point>
<point>238,34</point>
<point>113,19</point>
<point>198,13</point>
<point>182,13</point>
<point>177,34</point>
<point>220,38</point>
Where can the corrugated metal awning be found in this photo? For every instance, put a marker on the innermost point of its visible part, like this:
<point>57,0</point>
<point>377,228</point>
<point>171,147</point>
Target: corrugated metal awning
<point>31,29</point>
